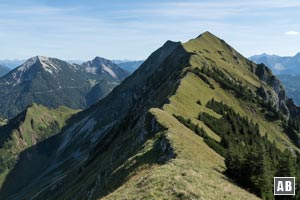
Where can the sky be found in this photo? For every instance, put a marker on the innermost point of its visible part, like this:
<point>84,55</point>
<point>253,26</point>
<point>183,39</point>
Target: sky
<point>133,29</point>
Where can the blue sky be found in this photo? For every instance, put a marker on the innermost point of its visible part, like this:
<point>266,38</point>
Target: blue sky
<point>132,29</point>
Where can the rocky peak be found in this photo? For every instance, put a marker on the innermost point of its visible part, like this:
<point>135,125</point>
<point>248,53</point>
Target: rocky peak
<point>100,60</point>
<point>104,66</point>
<point>39,61</point>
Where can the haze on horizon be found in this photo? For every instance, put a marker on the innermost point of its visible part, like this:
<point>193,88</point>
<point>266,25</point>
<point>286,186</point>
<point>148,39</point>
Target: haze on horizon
<point>74,29</point>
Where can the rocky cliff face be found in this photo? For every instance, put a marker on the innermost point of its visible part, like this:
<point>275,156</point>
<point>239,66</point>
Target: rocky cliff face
<point>279,98</point>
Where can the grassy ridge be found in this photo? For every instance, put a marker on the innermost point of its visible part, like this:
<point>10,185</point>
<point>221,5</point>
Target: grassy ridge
<point>195,173</point>
<point>149,154</point>
<point>33,125</point>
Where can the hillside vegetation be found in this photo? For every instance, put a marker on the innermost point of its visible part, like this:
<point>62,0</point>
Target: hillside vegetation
<point>32,126</point>
<point>196,121</point>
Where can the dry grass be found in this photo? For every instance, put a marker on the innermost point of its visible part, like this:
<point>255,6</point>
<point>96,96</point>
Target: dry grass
<point>194,174</point>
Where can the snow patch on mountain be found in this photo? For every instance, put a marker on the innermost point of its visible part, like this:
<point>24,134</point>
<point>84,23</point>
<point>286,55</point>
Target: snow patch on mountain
<point>108,70</point>
<point>27,70</point>
<point>92,70</point>
<point>47,65</point>
<point>27,64</point>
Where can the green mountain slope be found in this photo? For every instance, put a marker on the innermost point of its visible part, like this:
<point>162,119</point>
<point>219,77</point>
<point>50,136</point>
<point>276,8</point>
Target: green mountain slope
<point>30,127</point>
<point>53,82</point>
<point>169,131</point>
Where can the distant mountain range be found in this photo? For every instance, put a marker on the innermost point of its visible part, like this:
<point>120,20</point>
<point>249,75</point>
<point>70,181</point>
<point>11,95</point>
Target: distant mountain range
<point>280,64</point>
<point>128,65</point>
<point>197,120</point>
<point>292,86</point>
<point>287,69</point>
<point>12,63</point>
<point>53,82</point>
<point>4,70</point>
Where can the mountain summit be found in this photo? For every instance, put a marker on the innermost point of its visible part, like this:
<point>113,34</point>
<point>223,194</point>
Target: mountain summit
<point>194,116</point>
<point>30,69</point>
<point>105,67</point>
<point>39,61</point>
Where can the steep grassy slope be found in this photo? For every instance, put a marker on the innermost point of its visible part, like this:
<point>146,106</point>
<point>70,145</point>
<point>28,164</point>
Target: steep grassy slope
<point>195,173</point>
<point>94,128</point>
<point>183,176</point>
<point>217,53</point>
<point>32,126</point>
<point>131,146</point>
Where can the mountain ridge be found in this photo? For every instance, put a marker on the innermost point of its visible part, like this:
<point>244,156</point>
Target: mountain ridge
<point>141,140</point>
